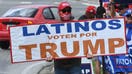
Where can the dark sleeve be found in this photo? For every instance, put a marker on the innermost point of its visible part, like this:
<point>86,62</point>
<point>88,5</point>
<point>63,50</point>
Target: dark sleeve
<point>82,17</point>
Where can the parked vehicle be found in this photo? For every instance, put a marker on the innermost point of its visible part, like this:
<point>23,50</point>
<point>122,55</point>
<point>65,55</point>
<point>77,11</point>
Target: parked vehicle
<point>25,15</point>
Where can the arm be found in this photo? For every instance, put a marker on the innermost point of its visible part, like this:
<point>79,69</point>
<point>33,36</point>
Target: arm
<point>112,9</point>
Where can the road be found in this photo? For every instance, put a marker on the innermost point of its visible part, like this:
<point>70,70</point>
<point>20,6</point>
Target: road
<point>77,5</point>
<point>6,67</point>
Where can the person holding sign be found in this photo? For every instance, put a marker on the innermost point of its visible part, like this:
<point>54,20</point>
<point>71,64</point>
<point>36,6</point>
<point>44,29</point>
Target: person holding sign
<point>90,13</point>
<point>121,64</point>
<point>67,65</point>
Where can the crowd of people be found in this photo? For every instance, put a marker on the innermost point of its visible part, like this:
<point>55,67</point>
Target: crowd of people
<point>110,10</point>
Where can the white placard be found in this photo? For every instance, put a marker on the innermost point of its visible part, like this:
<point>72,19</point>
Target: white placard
<point>71,39</point>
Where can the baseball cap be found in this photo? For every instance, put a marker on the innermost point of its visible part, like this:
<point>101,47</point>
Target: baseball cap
<point>122,6</point>
<point>91,9</point>
<point>63,5</point>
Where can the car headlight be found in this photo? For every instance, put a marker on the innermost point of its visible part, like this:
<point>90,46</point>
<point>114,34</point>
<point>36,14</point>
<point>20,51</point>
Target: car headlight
<point>29,22</point>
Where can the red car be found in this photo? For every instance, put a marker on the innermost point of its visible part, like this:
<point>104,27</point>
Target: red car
<point>25,15</point>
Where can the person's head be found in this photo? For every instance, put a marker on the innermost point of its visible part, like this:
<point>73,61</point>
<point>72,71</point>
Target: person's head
<point>100,12</point>
<point>122,9</point>
<point>90,12</point>
<point>64,10</point>
<point>106,5</point>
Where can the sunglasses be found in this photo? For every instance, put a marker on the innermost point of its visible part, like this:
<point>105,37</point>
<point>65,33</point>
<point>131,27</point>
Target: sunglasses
<point>66,10</point>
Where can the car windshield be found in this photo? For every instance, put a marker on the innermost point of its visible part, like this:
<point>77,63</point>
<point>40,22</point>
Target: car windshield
<point>21,12</point>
